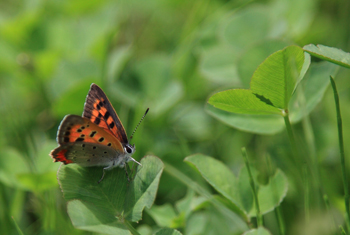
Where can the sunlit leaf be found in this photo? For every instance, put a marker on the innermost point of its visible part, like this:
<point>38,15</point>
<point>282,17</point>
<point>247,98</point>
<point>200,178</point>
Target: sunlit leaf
<point>163,215</point>
<point>219,176</point>
<point>115,199</point>
<point>241,101</point>
<point>330,54</point>
<point>269,195</point>
<point>261,124</point>
<point>276,77</point>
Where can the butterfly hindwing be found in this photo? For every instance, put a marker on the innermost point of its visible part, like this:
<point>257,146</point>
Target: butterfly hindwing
<point>86,154</point>
<point>99,111</point>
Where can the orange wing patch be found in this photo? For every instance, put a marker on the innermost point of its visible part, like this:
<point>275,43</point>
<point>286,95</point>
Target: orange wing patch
<point>78,129</point>
<point>59,155</point>
<point>107,122</point>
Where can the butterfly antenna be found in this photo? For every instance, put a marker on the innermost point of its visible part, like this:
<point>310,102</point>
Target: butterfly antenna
<point>139,123</point>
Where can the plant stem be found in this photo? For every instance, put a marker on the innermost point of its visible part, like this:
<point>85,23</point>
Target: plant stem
<point>306,194</point>
<point>291,135</point>
<point>313,164</point>
<point>341,148</point>
<point>252,184</point>
<point>19,231</point>
<point>326,202</point>
<point>297,161</point>
<point>280,220</point>
<point>131,228</point>
<point>277,210</point>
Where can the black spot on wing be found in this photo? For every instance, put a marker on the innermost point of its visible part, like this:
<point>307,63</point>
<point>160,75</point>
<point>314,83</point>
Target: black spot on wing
<point>111,125</point>
<point>93,133</point>
<point>106,116</point>
<point>97,121</point>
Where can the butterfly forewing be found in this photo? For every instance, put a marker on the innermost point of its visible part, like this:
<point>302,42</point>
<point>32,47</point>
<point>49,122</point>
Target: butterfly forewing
<point>75,129</point>
<point>99,110</point>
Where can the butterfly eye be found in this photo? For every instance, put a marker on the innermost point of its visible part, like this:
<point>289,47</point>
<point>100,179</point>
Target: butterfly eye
<point>128,149</point>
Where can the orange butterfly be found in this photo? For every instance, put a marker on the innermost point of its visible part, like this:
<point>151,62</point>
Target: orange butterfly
<point>97,138</point>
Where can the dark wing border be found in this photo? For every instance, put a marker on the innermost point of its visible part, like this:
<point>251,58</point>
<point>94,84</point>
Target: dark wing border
<point>97,100</point>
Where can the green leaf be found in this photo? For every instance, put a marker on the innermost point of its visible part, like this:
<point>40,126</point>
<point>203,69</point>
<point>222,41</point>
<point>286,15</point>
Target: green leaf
<point>143,189</point>
<point>211,221</point>
<point>87,216</point>
<point>239,191</point>
<point>144,229</point>
<point>185,205</point>
<point>254,56</point>
<point>163,215</point>
<point>260,124</point>
<point>269,195</point>
<point>276,77</point>
<point>271,90</point>
<point>114,199</point>
<point>331,54</point>
<point>311,90</point>
<point>307,95</point>
<point>241,101</point>
<point>259,231</point>
<point>195,223</point>
<point>218,176</point>
<point>167,231</point>
<point>272,85</point>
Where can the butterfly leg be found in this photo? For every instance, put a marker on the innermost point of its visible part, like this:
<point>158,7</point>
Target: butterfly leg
<point>126,171</point>
<point>104,169</point>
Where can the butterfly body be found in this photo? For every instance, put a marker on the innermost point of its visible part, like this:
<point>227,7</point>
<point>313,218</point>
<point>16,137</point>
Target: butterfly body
<point>97,138</point>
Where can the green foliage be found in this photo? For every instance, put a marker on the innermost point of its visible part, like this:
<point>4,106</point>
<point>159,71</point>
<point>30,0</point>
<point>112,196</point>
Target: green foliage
<point>217,76</point>
<point>167,231</point>
<point>105,207</point>
<point>330,54</point>
<point>259,231</point>
<point>311,85</point>
<point>238,190</point>
<point>271,86</point>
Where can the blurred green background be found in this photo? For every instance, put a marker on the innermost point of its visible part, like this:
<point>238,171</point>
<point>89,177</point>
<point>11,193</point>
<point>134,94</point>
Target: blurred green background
<point>170,56</point>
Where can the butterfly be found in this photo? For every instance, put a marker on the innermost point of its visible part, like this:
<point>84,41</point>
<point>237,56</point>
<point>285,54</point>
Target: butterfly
<point>98,138</point>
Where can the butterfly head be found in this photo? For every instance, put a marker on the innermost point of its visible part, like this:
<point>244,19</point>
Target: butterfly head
<point>129,150</point>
